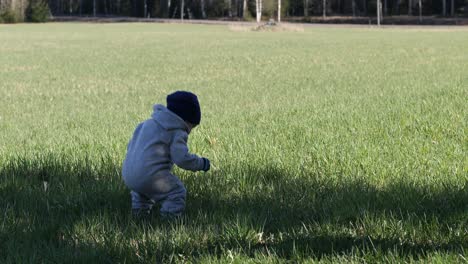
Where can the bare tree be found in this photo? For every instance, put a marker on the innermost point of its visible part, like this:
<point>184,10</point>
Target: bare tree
<point>397,7</point>
<point>203,11</point>
<point>420,10</point>
<point>324,9</point>
<point>444,7</point>
<point>117,6</point>
<point>244,9</point>
<point>385,7</point>
<point>306,7</point>
<point>258,7</point>
<point>379,8</point>
<point>182,9</point>
<point>229,7</point>
<point>354,7</point>
<point>279,11</point>
<point>452,8</point>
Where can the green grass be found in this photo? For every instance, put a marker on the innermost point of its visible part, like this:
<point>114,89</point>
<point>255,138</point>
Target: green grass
<point>333,145</point>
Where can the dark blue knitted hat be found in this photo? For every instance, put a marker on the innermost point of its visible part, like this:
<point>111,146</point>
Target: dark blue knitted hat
<point>185,105</point>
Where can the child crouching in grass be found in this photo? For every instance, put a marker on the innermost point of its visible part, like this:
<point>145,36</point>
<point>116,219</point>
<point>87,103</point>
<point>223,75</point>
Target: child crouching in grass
<point>156,145</point>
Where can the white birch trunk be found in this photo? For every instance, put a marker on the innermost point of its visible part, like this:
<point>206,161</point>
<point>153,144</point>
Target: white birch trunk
<point>169,8</point>
<point>244,9</point>
<point>379,4</point>
<point>420,10</point>
<point>279,11</point>
<point>182,10</point>
<point>258,7</point>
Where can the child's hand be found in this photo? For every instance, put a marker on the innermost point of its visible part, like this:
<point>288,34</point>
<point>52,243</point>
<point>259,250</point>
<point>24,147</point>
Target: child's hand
<point>206,165</point>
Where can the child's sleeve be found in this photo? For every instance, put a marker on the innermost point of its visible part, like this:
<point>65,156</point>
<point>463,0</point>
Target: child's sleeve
<point>181,156</point>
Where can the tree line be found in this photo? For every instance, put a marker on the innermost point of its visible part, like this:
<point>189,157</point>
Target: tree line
<point>241,9</point>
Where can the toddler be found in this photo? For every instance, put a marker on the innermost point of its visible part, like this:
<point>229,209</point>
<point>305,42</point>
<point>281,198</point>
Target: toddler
<point>155,146</point>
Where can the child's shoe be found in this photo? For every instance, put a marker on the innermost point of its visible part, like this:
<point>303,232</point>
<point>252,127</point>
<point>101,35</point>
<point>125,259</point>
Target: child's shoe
<point>170,216</point>
<point>141,214</point>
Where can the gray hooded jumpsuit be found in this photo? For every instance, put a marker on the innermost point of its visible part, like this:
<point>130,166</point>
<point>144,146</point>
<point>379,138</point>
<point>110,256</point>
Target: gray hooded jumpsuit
<point>156,145</point>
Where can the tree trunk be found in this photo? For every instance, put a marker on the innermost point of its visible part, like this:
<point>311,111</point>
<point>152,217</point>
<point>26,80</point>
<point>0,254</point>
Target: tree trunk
<point>203,11</point>
<point>354,7</point>
<point>452,8</point>
<point>236,9</point>
<point>182,10</point>
<point>94,7</point>
<point>365,7</point>
<point>306,7</point>
<point>379,4</point>
<point>444,7</point>
<point>324,9</point>
<point>229,7</point>
<point>81,7</point>
<point>145,8</point>
<point>420,11</point>
<point>410,5</point>
<point>398,2</point>
<point>385,7</point>
<point>279,11</point>
<point>244,9</point>
<point>168,8</point>
<point>258,7</point>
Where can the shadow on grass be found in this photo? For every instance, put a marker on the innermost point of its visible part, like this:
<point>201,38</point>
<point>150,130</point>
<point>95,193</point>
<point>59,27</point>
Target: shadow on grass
<point>44,224</point>
<point>293,199</point>
<point>278,201</point>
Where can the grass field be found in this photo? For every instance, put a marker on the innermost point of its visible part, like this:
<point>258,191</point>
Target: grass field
<point>333,144</point>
